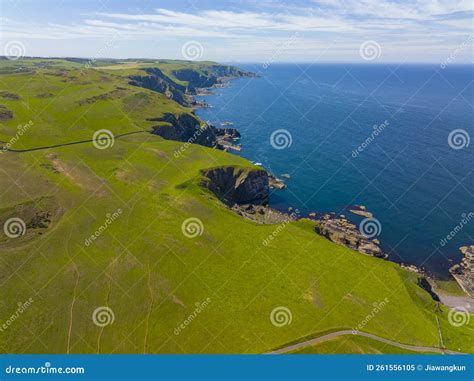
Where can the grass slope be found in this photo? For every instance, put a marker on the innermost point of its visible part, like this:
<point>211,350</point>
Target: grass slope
<point>142,266</point>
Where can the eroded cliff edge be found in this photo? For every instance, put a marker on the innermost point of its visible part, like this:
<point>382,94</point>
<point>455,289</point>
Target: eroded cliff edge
<point>182,84</point>
<point>236,185</point>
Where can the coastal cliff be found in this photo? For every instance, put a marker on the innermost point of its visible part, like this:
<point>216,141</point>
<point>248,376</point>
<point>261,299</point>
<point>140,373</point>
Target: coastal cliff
<point>190,80</point>
<point>157,81</point>
<point>234,185</point>
<point>180,85</point>
<point>187,127</point>
<point>208,76</point>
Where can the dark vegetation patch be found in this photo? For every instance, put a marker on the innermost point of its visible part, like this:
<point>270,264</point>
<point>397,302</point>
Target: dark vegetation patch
<point>42,64</point>
<point>32,219</point>
<point>45,95</point>
<point>9,96</point>
<point>5,114</point>
<point>49,167</point>
<point>15,70</point>
<point>117,93</point>
<point>57,72</point>
<point>136,100</point>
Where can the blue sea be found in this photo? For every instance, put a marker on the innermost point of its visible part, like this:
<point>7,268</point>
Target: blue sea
<point>415,174</point>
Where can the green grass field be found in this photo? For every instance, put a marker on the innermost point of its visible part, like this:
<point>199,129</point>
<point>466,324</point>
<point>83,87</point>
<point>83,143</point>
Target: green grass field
<point>141,265</point>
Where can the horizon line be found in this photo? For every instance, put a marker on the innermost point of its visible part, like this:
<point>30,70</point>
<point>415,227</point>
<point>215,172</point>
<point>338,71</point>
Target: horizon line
<point>245,62</point>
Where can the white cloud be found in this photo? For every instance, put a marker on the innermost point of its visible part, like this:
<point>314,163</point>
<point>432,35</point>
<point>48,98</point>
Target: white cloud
<point>336,26</point>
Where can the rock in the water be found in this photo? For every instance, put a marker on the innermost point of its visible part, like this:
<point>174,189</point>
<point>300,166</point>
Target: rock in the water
<point>341,231</point>
<point>276,183</point>
<point>226,138</point>
<point>363,213</point>
<point>231,133</point>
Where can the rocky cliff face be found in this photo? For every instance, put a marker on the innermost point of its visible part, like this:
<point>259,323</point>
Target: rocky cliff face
<point>239,186</point>
<point>195,78</point>
<point>185,128</point>
<point>464,272</point>
<point>230,132</point>
<point>209,76</point>
<point>157,81</point>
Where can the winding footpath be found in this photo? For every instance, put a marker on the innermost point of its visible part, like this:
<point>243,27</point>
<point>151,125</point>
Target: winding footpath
<point>332,335</point>
<point>69,143</point>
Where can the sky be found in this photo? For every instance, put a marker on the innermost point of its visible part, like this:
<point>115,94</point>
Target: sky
<point>269,31</point>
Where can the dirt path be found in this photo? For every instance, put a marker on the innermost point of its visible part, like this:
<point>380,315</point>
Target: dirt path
<point>150,308</point>
<point>332,335</point>
<point>70,143</point>
<point>71,309</point>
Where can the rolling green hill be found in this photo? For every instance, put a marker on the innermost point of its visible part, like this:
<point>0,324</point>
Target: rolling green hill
<point>165,291</point>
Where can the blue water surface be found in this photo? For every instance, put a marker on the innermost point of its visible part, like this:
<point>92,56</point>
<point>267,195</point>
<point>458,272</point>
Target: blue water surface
<point>408,176</point>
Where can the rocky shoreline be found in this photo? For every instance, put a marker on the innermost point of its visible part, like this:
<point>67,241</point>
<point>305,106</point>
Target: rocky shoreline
<point>339,230</point>
<point>246,191</point>
<point>463,273</point>
<point>255,206</point>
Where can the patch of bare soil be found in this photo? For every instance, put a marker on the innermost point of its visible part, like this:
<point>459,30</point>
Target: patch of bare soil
<point>78,175</point>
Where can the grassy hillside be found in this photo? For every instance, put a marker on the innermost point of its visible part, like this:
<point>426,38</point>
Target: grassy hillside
<point>141,265</point>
